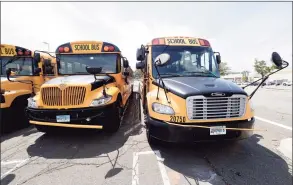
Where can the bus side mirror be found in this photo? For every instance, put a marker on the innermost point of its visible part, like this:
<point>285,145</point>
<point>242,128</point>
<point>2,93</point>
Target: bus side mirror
<point>125,63</point>
<point>37,71</point>
<point>140,65</point>
<point>126,73</point>
<point>277,60</point>
<point>37,57</point>
<point>218,58</point>
<point>162,59</point>
<point>8,73</point>
<point>93,70</point>
<point>47,62</point>
<point>140,54</point>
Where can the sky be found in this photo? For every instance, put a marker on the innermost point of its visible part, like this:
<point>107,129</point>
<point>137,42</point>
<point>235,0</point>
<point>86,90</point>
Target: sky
<point>240,31</point>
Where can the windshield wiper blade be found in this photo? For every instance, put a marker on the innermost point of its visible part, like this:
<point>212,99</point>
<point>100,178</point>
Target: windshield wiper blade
<point>201,72</point>
<point>81,72</point>
<point>170,75</point>
<point>11,60</point>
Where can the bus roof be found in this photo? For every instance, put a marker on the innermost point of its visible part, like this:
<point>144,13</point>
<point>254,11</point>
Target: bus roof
<point>87,47</point>
<point>180,41</point>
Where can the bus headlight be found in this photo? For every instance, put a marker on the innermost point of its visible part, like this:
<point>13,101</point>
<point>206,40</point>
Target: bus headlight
<point>162,109</point>
<point>101,101</point>
<point>31,103</point>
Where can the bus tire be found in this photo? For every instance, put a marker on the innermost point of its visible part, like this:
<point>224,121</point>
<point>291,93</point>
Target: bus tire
<point>114,122</point>
<point>151,140</point>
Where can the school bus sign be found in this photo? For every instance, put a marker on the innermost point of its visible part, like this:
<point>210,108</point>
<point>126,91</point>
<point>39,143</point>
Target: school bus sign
<point>7,50</point>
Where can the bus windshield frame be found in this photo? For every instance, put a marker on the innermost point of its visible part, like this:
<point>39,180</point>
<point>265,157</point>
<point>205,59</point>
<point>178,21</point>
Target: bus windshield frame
<point>19,65</point>
<point>186,61</point>
<point>79,60</point>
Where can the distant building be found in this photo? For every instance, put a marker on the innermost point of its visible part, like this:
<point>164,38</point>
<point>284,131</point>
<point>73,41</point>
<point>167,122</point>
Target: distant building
<point>284,75</point>
<point>233,76</point>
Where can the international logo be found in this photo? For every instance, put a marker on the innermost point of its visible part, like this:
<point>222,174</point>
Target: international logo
<point>62,86</point>
<point>218,94</point>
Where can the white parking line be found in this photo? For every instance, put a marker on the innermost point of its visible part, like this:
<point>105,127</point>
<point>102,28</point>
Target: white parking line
<point>3,163</point>
<point>273,123</point>
<point>23,162</point>
<point>135,179</point>
<point>162,168</point>
<point>131,129</point>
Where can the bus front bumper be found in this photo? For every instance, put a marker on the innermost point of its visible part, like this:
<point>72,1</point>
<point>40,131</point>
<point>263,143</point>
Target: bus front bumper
<point>93,117</point>
<point>177,133</point>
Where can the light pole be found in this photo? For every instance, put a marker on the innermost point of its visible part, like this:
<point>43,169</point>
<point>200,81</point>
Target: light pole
<point>48,45</point>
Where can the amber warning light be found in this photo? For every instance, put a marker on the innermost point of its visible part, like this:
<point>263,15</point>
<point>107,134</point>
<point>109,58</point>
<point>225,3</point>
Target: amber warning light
<point>109,48</point>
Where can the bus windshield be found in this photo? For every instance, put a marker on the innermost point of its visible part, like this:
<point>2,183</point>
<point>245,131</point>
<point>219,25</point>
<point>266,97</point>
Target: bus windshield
<point>186,61</point>
<point>76,63</point>
<point>20,66</point>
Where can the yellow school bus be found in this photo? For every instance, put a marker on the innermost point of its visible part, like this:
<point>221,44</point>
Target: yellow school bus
<point>184,98</point>
<point>92,89</point>
<point>27,71</point>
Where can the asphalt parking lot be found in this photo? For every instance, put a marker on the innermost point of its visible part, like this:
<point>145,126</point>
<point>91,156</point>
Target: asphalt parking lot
<point>125,158</point>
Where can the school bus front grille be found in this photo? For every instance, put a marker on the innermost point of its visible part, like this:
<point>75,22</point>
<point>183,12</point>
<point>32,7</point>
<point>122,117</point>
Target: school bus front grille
<point>203,108</point>
<point>54,96</point>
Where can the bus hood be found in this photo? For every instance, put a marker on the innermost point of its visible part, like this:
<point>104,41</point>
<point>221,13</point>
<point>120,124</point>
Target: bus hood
<point>191,86</point>
<point>3,79</point>
<point>83,80</point>
<point>76,79</point>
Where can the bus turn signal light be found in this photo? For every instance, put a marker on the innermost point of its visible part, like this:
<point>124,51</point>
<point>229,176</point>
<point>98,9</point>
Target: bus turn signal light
<point>66,49</point>
<point>109,48</point>
<point>106,48</point>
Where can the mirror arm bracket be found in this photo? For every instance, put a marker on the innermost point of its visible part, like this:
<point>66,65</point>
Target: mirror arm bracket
<point>265,78</point>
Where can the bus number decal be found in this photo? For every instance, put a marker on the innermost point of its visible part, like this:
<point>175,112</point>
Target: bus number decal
<point>178,119</point>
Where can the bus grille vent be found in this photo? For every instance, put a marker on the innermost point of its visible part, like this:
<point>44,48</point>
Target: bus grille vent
<point>204,108</point>
<point>54,96</point>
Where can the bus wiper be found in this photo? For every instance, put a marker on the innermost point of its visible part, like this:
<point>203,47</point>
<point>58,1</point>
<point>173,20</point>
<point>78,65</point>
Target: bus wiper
<point>208,71</point>
<point>201,72</point>
<point>14,58</point>
<point>170,75</point>
<point>159,75</point>
<point>80,72</point>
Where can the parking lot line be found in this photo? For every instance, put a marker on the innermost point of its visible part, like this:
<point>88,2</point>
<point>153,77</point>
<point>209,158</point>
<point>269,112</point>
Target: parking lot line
<point>273,123</point>
<point>135,179</point>
<point>14,168</point>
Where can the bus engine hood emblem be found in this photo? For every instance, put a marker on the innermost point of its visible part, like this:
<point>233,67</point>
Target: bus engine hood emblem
<point>62,86</point>
<point>218,94</point>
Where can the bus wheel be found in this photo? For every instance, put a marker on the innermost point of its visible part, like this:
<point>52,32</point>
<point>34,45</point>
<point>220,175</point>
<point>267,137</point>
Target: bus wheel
<point>151,140</point>
<point>113,123</point>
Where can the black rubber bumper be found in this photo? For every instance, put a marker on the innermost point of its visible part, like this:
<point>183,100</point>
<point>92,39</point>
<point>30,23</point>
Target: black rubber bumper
<point>173,133</point>
<point>83,116</point>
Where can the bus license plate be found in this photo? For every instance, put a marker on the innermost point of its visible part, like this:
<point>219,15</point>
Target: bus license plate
<point>218,130</point>
<point>63,118</point>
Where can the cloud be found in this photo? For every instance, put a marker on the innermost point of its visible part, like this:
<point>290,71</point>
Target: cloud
<point>240,31</point>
